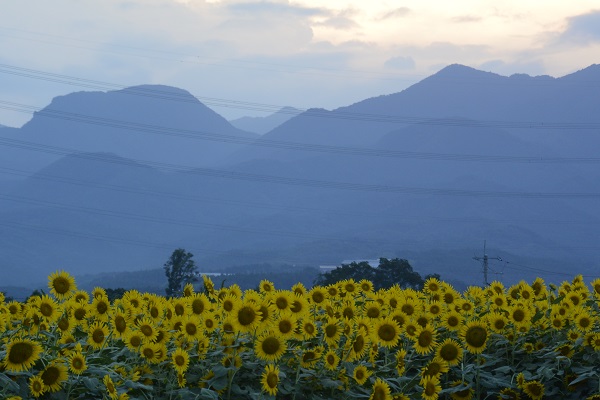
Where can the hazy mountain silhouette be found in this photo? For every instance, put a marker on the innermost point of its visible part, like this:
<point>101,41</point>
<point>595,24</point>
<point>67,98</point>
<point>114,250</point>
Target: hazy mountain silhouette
<point>149,122</point>
<point>262,125</point>
<point>460,157</point>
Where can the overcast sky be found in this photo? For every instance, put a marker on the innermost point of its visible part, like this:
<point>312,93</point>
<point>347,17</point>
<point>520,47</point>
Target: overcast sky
<point>304,53</point>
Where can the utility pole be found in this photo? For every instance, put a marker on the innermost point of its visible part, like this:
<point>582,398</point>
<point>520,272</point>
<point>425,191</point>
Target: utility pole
<point>485,259</point>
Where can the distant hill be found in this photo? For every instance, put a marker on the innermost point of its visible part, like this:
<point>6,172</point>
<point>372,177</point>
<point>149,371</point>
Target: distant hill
<point>460,157</point>
<point>262,125</point>
<point>147,122</point>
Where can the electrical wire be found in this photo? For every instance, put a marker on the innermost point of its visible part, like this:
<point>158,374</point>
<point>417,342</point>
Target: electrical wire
<point>238,203</point>
<point>314,183</point>
<point>337,114</point>
<point>329,149</point>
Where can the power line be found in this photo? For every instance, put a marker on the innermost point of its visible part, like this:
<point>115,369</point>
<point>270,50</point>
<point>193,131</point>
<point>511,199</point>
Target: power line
<point>343,115</point>
<point>330,149</point>
<point>221,201</point>
<point>314,183</point>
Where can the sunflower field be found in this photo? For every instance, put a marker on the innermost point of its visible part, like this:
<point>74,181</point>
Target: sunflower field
<point>342,341</point>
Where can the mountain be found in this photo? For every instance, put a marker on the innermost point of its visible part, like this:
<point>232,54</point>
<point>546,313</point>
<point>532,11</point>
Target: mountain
<point>149,122</point>
<point>426,174</point>
<point>262,125</point>
<point>541,109</point>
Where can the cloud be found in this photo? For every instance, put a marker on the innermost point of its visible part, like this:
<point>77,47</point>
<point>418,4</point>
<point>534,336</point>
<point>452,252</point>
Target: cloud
<point>583,29</point>
<point>466,18</point>
<point>396,13</point>
<point>280,8</point>
<point>400,62</point>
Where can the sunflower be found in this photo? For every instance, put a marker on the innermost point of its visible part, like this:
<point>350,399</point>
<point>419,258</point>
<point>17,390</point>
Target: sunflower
<point>565,350</point>
<point>401,362</point>
<point>270,346</point>
<point>299,305</point>
<point>497,321</point>
<point>49,309</point>
<point>133,339</point>
<point>372,309</point>
<point>100,308</point>
<point>331,360</point>
<point>409,306</point>
<point>361,374</point>
<point>110,387</point>
<point>308,329</point>
<point>61,285</point>
<point>464,394</point>
<point>209,322</point>
<point>474,336</point>
<point>286,324</point>
<point>310,357</point>
<point>594,341</point>
<point>358,346</point>
<point>190,327</point>
<point>53,376</point>
<point>147,328</point>
<point>431,387</point>
<point>509,394</point>
<point>381,390</point>
<point>97,335</point>
<point>21,354</point>
<point>534,389</point>
<point>80,311</point>
<point>120,323</point>
<point>436,367</point>
<point>152,352</point>
<point>366,286</point>
<point>386,332</point>
<point>595,284</point>
<point>270,379</point>
<point>425,339</point>
<point>36,386</point>
<point>229,326</point>
<point>520,316</point>
<point>450,351</point>
<point>317,295</point>
<point>65,324</point>
<point>332,331</point>
<point>181,306</point>
<point>180,360</point>
<point>432,285</point>
<point>282,299</point>
<point>584,321</point>
<point>434,308</point>
<point>452,320</point>
<point>199,303</point>
<point>247,316</point>
<point>77,363</point>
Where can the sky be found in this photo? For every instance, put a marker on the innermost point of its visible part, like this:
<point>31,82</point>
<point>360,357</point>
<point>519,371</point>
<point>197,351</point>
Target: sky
<point>305,53</point>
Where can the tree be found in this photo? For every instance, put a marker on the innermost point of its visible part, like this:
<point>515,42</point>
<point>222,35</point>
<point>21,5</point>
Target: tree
<point>397,272</point>
<point>387,274</point>
<point>180,270</point>
<point>354,270</point>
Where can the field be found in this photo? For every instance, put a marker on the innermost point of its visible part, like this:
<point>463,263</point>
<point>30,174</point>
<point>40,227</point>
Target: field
<point>343,341</point>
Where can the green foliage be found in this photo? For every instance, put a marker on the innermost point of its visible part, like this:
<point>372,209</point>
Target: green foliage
<point>389,272</point>
<point>114,294</point>
<point>180,269</point>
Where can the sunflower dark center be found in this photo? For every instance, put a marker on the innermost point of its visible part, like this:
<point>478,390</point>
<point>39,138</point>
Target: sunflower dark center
<point>246,315</point>
<point>271,345</point>
<point>387,332</point>
<point>476,336</point>
<point>20,353</point>
<point>50,375</point>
